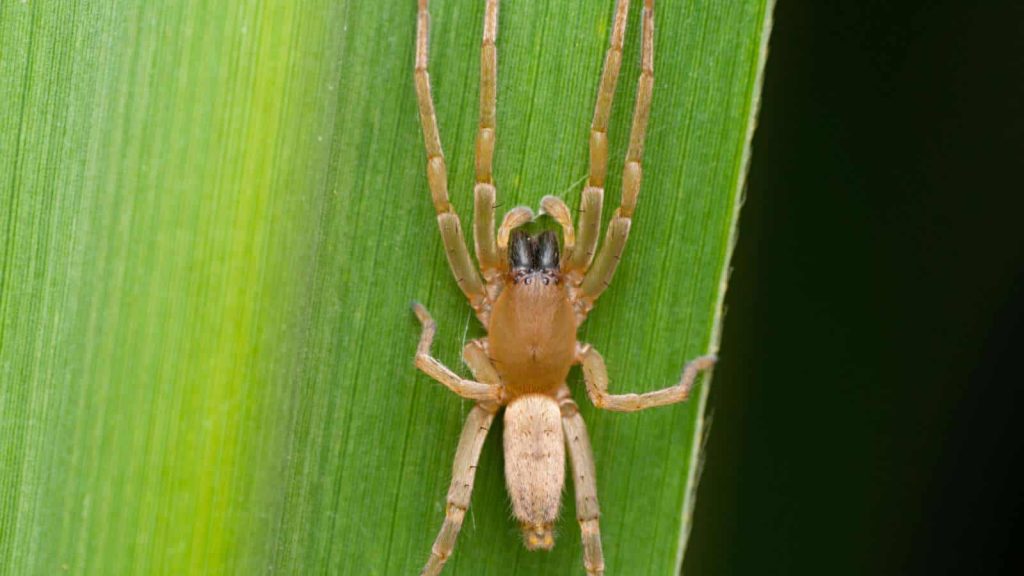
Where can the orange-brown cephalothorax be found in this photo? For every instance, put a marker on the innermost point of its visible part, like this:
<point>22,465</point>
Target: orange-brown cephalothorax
<point>533,335</point>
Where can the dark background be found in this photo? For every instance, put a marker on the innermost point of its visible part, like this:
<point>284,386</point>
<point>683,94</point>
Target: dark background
<point>865,404</point>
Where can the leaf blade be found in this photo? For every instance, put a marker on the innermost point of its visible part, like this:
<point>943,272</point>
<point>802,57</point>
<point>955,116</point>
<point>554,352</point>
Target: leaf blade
<point>214,219</point>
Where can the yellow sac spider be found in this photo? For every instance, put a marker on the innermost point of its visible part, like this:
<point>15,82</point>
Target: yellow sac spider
<point>532,299</point>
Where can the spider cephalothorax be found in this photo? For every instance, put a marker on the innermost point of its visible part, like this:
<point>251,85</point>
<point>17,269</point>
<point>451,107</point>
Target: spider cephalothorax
<point>531,302</point>
<point>534,344</point>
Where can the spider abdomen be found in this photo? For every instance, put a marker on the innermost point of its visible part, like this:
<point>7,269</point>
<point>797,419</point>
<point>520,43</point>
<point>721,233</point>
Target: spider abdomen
<point>535,466</point>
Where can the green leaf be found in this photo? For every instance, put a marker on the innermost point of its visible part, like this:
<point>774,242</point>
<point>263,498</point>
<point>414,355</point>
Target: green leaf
<point>213,217</point>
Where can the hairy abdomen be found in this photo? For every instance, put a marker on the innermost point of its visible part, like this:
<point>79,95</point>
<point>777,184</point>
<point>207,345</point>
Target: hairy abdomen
<point>535,466</point>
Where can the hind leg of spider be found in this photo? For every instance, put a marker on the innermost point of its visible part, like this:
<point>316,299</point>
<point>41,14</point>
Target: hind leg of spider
<point>474,432</point>
<point>479,391</point>
<point>585,481</point>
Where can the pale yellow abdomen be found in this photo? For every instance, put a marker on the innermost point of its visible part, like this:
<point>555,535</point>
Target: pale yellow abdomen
<point>535,466</point>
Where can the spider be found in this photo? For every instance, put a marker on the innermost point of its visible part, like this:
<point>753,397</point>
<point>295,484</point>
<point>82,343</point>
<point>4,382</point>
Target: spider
<point>531,296</point>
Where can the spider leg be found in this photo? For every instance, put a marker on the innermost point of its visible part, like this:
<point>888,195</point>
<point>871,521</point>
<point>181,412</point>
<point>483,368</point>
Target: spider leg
<point>600,274</point>
<point>474,354</point>
<point>585,482</point>
<point>474,432</point>
<point>595,375</point>
<point>484,199</point>
<point>593,193</point>
<point>589,231</point>
<point>437,176</point>
<point>479,391</point>
<point>484,192</point>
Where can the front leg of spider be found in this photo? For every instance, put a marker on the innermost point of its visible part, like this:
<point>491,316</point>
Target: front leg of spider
<point>532,296</point>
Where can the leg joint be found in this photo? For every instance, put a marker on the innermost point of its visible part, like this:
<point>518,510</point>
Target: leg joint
<point>568,407</point>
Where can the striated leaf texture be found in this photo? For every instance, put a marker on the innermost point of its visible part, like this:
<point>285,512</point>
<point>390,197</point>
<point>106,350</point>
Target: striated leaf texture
<point>213,217</point>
